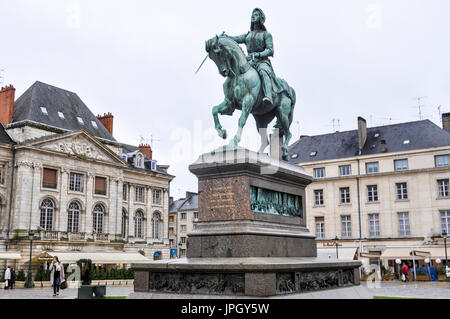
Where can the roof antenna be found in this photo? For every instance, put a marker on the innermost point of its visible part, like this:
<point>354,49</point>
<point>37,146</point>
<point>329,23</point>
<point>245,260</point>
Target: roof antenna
<point>2,77</point>
<point>420,105</point>
<point>440,114</point>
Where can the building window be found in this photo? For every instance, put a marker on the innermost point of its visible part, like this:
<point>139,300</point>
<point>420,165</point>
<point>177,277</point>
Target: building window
<point>156,221</point>
<point>345,195</point>
<point>401,165</point>
<point>195,215</point>
<point>139,225</point>
<point>80,120</point>
<point>371,167</point>
<point>183,216</point>
<point>403,224</point>
<point>124,191</point>
<point>183,240</point>
<point>318,197</point>
<point>140,194</point>
<point>320,227</point>
<point>47,212</point>
<point>443,187</point>
<point>49,179</point>
<point>171,219</point>
<point>445,220</point>
<point>76,182</point>
<point>98,219</point>
<point>2,175</point>
<point>372,193</point>
<point>73,221</point>
<point>157,196</point>
<point>139,161</point>
<point>124,224</point>
<point>319,172</point>
<point>183,228</point>
<point>374,225</point>
<point>402,192</point>
<point>441,160</point>
<point>61,115</point>
<point>346,229</point>
<point>345,170</point>
<point>100,185</point>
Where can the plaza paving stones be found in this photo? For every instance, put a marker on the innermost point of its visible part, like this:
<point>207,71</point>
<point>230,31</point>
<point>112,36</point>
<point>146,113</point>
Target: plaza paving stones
<point>433,290</point>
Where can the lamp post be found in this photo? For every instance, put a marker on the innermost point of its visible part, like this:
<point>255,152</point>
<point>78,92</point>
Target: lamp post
<point>179,248</point>
<point>398,262</point>
<point>337,240</point>
<point>444,235</point>
<point>29,283</point>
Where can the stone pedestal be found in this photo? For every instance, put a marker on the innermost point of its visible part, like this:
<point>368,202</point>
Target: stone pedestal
<point>251,237</point>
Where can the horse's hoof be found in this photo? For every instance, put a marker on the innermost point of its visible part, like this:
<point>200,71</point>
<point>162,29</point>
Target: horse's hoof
<point>224,134</point>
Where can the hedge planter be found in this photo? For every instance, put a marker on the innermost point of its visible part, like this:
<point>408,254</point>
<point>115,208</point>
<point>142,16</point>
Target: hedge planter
<point>110,282</point>
<point>442,277</point>
<point>19,284</point>
<point>387,277</point>
<point>422,278</point>
<point>46,284</point>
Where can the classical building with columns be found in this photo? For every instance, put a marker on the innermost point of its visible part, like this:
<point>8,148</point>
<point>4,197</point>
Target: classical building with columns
<point>65,178</point>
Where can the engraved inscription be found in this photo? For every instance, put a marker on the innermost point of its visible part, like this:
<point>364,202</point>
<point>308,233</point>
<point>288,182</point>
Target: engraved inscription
<point>222,197</point>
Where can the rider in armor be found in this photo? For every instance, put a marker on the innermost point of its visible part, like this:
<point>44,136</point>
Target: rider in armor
<point>259,47</point>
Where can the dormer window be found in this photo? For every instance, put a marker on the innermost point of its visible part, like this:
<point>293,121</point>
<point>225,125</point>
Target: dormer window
<point>139,160</point>
<point>294,155</point>
<point>314,153</point>
<point>406,142</point>
<point>61,115</point>
<point>125,157</point>
<point>44,110</point>
<point>80,120</point>
<point>94,124</point>
<point>376,135</point>
<point>153,165</point>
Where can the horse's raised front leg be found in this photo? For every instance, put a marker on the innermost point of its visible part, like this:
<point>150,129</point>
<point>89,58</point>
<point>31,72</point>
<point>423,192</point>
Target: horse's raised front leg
<point>247,105</point>
<point>223,108</point>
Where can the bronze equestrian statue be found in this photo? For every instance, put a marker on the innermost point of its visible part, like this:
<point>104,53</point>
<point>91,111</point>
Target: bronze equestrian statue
<point>251,85</point>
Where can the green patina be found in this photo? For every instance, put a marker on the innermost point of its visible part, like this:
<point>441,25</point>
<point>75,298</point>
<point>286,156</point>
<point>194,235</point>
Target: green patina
<point>251,85</point>
<point>273,202</point>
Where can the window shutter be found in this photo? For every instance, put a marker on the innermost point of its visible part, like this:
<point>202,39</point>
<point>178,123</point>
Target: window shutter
<point>320,219</point>
<point>49,178</point>
<point>100,185</point>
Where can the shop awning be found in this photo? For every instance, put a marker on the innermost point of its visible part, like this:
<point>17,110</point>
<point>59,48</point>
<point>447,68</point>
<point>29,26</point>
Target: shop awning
<point>99,258</point>
<point>10,255</point>
<point>420,253</point>
<point>343,252</point>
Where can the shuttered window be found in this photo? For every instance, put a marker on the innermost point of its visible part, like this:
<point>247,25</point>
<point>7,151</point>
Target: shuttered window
<point>100,185</point>
<point>49,178</point>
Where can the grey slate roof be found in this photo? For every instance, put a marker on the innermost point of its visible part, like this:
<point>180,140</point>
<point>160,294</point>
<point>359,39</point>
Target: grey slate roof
<point>182,204</point>
<point>421,134</point>
<point>4,136</point>
<point>28,108</point>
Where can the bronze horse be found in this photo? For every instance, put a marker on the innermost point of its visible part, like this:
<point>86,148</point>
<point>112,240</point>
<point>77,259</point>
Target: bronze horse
<point>243,91</point>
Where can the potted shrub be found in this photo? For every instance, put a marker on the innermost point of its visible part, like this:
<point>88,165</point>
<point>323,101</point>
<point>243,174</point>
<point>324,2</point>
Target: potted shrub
<point>441,273</point>
<point>422,274</point>
<point>46,283</point>
<point>386,273</point>
<point>20,279</point>
<point>38,278</point>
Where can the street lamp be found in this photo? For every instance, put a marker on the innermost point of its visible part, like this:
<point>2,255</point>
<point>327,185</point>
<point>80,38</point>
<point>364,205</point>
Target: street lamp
<point>444,235</point>
<point>179,248</point>
<point>398,262</point>
<point>29,283</point>
<point>337,239</point>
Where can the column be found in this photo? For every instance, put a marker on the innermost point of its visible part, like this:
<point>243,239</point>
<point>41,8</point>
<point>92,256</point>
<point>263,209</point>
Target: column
<point>149,213</point>
<point>88,228</point>
<point>63,198</point>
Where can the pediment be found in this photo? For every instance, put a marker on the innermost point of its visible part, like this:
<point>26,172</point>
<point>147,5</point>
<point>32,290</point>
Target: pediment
<point>80,145</point>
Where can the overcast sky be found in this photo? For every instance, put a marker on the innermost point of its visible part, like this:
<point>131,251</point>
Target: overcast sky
<point>136,59</point>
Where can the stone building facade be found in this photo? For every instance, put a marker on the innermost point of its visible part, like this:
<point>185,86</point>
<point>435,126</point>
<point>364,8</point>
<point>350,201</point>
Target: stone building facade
<point>67,179</point>
<point>383,190</point>
<point>183,213</point>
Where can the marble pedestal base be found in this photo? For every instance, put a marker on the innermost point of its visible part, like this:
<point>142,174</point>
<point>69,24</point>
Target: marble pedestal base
<point>249,276</point>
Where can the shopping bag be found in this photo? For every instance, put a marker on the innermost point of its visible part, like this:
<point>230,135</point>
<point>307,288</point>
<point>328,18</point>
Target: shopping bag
<point>6,284</point>
<point>403,277</point>
<point>63,285</point>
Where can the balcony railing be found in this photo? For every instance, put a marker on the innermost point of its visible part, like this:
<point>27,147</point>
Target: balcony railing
<point>101,237</point>
<point>49,235</point>
<point>76,236</point>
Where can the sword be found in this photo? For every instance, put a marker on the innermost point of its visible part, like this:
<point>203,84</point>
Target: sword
<point>202,63</point>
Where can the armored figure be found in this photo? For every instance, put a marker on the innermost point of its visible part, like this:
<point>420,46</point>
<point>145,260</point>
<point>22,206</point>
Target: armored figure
<point>260,47</point>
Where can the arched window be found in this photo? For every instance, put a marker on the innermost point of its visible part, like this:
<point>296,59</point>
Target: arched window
<point>73,221</point>
<point>156,221</point>
<point>47,212</point>
<point>139,225</point>
<point>124,224</point>
<point>98,218</point>
<point>139,161</point>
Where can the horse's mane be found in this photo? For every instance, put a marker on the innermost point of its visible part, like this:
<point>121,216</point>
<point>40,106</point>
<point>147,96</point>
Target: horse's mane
<point>230,42</point>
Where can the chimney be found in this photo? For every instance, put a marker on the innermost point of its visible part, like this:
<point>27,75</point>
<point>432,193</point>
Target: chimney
<point>107,121</point>
<point>383,146</point>
<point>362,132</point>
<point>446,122</point>
<point>170,200</point>
<point>146,149</point>
<point>7,104</point>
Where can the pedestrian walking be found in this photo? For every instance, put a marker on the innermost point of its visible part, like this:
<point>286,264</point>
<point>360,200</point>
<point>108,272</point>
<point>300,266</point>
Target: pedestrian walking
<point>7,277</point>
<point>13,278</point>
<point>405,273</point>
<point>56,275</point>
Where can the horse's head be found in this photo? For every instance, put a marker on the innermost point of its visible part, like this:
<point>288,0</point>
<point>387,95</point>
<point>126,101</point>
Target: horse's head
<point>218,53</point>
